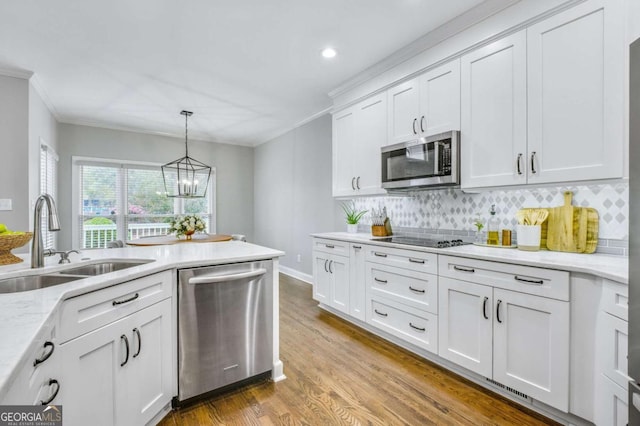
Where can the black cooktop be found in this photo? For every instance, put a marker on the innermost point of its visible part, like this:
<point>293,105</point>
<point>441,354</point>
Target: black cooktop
<point>422,242</point>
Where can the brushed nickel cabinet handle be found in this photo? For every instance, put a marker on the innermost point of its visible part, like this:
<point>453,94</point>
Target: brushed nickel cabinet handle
<point>415,120</point>
<point>353,183</point>
<point>330,263</point>
<point>126,344</point>
<point>131,299</point>
<point>325,265</point>
<point>498,311</point>
<point>358,182</point>
<point>484,308</point>
<point>379,254</point>
<point>421,123</point>
<point>137,332</point>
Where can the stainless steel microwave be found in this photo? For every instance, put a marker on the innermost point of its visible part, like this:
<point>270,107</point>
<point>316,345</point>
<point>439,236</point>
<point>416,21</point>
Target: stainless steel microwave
<point>431,161</point>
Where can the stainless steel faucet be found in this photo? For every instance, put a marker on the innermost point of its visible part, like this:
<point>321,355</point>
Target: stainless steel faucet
<point>37,252</point>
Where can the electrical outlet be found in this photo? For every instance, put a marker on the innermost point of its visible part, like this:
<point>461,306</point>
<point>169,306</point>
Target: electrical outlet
<point>5,204</point>
<point>299,259</point>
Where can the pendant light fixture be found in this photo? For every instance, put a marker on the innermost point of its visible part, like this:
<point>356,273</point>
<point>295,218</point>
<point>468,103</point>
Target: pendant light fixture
<point>186,177</point>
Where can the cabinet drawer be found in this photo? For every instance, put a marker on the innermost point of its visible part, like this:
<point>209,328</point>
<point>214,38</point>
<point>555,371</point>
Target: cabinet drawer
<point>412,325</point>
<point>415,289</point>
<point>525,279</point>
<point>615,347</point>
<point>407,259</point>
<point>331,246</point>
<point>90,311</point>
<point>615,299</point>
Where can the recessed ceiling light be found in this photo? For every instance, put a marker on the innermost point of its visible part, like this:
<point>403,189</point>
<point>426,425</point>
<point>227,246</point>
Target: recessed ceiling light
<point>329,52</point>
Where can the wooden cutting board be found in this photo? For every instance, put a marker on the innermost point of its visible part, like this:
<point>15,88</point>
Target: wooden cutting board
<point>572,229</point>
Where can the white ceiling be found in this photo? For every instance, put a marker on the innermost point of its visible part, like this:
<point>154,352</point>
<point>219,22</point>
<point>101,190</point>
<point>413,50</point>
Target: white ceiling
<point>248,69</point>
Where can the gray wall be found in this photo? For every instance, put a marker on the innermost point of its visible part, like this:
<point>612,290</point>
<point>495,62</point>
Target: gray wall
<point>233,164</point>
<point>292,182</point>
<point>14,151</point>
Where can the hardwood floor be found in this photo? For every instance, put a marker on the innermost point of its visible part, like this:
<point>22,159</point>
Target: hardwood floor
<point>338,374</point>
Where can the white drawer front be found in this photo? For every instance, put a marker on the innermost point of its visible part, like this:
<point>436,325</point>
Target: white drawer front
<point>415,289</point>
<point>331,246</point>
<point>411,325</point>
<point>615,349</point>
<point>87,312</point>
<point>525,279</point>
<point>406,259</point>
<point>615,299</point>
<point>611,403</point>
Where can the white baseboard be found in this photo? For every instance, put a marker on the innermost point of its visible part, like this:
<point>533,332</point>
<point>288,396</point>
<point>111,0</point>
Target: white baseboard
<point>297,274</point>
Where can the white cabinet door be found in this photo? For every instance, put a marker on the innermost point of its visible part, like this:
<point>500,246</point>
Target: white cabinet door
<point>404,112</point>
<point>531,346</point>
<point>465,319</point>
<point>371,129</point>
<point>494,114</point>
<point>575,94</point>
<point>343,153</point>
<point>357,284</point>
<point>92,376</point>
<point>339,271</point>
<point>440,99</point>
<point>148,382</point>
<point>321,278</point>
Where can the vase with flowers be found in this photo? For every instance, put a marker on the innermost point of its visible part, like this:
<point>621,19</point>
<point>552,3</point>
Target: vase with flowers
<point>186,225</point>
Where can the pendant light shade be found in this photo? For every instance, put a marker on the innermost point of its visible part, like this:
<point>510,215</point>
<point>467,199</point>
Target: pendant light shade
<point>186,177</point>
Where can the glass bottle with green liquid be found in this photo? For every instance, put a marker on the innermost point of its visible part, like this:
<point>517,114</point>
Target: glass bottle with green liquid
<point>493,225</point>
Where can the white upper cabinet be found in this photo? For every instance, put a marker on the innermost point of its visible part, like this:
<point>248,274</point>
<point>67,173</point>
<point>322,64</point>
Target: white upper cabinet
<point>494,114</point>
<point>546,104</point>
<point>426,105</point>
<point>440,99</point>
<point>575,94</point>
<point>358,134</point>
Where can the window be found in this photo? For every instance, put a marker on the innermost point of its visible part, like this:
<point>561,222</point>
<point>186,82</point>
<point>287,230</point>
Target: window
<point>48,180</point>
<point>126,200</point>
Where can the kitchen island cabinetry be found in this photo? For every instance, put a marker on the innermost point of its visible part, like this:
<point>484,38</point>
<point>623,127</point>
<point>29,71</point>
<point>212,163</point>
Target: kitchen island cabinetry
<point>426,105</point>
<point>122,369</point>
<point>358,134</point>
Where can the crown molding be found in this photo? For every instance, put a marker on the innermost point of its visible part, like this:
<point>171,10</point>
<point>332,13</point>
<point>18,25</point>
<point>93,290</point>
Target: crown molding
<point>39,88</point>
<point>432,38</point>
<point>288,129</point>
<point>16,73</point>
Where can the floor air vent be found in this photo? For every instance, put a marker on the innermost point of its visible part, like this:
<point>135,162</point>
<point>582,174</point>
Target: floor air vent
<point>507,388</point>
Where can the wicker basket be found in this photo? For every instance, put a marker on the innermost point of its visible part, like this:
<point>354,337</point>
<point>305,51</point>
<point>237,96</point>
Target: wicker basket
<point>10,242</point>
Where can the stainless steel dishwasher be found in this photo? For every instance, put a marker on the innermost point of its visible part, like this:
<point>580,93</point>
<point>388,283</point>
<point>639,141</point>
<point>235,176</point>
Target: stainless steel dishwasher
<point>225,326</point>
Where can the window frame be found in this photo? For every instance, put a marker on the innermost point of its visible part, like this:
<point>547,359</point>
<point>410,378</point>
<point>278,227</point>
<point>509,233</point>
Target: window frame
<point>78,161</point>
<point>50,238</point>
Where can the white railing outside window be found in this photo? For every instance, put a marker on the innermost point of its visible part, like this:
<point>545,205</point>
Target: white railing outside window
<point>97,236</point>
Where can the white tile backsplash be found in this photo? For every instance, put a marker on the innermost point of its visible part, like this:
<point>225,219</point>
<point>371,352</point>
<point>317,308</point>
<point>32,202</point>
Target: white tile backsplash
<point>453,209</point>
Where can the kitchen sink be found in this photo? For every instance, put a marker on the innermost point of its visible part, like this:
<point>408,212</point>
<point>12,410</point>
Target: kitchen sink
<point>33,282</point>
<point>104,267</point>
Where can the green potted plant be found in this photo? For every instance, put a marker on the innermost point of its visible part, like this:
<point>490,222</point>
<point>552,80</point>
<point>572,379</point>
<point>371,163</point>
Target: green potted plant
<point>353,216</point>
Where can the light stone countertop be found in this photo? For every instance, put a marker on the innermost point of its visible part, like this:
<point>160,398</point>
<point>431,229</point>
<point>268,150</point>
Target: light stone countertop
<point>615,268</point>
<point>24,314</point>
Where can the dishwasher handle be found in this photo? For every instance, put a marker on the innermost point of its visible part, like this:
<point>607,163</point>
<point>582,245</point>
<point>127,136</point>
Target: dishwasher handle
<point>211,279</point>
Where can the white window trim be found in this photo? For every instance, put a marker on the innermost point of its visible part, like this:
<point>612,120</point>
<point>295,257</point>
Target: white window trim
<point>51,152</point>
<point>77,161</point>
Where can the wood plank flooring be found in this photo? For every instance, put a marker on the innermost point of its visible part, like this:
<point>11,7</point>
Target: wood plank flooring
<point>338,374</point>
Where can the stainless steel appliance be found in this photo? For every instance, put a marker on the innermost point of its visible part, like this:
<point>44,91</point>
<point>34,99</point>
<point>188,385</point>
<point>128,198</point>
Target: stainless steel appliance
<point>225,326</point>
<point>431,161</point>
<point>634,234</point>
<point>422,242</point>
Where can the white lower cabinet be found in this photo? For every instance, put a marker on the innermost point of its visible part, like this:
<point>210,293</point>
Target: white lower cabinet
<point>120,373</point>
<point>357,285</point>
<point>517,339</point>
<point>331,280</point>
